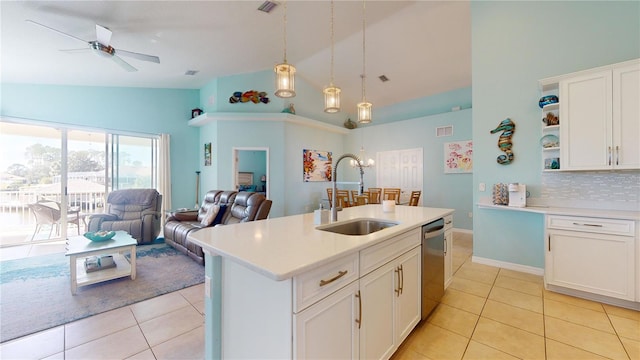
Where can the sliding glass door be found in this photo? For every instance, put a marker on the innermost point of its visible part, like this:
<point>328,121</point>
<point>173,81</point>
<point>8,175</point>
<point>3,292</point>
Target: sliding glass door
<point>53,179</point>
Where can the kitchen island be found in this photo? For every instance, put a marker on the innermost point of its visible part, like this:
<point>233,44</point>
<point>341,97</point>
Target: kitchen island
<point>266,282</point>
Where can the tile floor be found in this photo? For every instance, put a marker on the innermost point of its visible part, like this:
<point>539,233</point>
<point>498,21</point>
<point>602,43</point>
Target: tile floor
<point>486,313</point>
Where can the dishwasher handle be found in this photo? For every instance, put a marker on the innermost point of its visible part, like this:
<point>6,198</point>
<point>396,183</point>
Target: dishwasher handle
<point>433,232</point>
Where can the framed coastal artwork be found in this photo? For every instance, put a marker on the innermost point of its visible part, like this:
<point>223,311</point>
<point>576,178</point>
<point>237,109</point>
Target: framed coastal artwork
<point>458,157</point>
<point>316,165</point>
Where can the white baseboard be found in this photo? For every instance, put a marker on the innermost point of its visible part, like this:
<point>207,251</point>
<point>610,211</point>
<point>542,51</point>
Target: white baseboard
<point>594,297</point>
<point>508,265</point>
<point>465,231</point>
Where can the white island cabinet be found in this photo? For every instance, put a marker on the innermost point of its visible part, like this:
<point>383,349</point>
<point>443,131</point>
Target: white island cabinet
<point>280,288</point>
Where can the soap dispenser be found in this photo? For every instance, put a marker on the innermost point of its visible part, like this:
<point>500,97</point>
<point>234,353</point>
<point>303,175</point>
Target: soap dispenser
<point>321,216</point>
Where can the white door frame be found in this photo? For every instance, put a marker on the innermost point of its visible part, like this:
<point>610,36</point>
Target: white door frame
<point>234,166</point>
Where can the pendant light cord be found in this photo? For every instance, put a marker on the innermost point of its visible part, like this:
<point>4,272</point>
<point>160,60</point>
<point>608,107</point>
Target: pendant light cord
<point>331,82</point>
<point>364,67</point>
<point>284,22</point>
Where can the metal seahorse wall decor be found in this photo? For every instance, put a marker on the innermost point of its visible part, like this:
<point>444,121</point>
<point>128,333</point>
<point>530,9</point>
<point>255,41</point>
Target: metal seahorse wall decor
<point>507,127</point>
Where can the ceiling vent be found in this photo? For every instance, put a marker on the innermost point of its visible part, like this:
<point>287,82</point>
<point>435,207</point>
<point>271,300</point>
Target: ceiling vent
<point>191,72</point>
<point>383,78</point>
<point>267,6</point>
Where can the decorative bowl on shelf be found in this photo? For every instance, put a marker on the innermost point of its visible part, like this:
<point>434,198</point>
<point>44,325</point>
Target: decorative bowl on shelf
<point>549,141</point>
<point>100,235</point>
<point>546,100</point>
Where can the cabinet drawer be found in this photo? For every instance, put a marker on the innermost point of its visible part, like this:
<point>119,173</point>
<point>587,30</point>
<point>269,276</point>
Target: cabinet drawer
<point>375,256</point>
<point>448,222</point>
<point>316,284</point>
<point>594,225</point>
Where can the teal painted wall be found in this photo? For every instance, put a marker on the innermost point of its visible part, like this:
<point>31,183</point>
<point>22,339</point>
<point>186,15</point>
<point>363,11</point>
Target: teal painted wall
<point>514,44</point>
<point>439,189</point>
<point>308,101</point>
<point>148,111</point>
<point>431,105</point>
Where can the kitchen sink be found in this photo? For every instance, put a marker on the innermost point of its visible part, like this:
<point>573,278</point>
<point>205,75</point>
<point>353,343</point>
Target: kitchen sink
<point>357,226</point>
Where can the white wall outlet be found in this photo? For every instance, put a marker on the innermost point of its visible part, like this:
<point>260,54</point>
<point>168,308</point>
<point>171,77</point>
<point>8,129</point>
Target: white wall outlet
<point>470,214</point>
<point>482,187</point>
<point>207,286</point>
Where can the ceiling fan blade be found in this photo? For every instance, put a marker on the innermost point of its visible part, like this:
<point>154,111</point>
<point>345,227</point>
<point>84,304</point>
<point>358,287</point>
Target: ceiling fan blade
<point>125,65</point>
<point>75,51</point>
<point>103,35</point>
<point>58,31</point>
<point>138,56</point>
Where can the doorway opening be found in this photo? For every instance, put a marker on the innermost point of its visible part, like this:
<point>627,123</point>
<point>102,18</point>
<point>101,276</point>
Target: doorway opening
<point>251,169</point>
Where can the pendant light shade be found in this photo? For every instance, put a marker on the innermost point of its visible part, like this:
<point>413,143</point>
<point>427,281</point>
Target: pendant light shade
<point>364,112</point>
<point>364,107</point>
<point>331,99</point>
<point>285,80</point>
<point>285,73</point>
<point>331,92</point>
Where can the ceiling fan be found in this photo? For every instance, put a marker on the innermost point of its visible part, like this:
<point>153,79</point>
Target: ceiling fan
<point>102,47</point>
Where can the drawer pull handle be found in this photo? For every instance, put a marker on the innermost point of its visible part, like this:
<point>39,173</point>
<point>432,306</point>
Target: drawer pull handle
<point>585,224</point>
<point>327,282</point>
<point>402,279</point>
<point>359,319</point>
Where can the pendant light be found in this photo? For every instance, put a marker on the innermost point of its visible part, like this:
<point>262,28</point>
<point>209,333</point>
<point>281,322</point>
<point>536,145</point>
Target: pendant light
<point>364,107</point>
<point>331,92</point>
<point>285,73</point>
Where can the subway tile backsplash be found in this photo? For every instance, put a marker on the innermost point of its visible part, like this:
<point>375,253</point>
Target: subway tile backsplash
<point>594,189</point>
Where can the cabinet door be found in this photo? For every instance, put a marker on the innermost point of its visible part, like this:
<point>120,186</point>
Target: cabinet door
<point>626,117</point>
<point>328,329</point>
<point>585,122</point>
<point>407,308</point>
<point>592,262</point>
<point>448,257</point>
<point>378,290</point>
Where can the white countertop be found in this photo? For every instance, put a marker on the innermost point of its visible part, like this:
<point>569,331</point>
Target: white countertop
<point>283,247</point>
<point>553,210</point>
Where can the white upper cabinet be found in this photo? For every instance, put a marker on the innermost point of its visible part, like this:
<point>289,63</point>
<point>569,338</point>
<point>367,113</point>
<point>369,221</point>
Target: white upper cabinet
<point>599,118</point>
<point>626,117</point>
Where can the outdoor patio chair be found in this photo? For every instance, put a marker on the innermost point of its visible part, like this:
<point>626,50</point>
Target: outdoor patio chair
<point>48,212</point>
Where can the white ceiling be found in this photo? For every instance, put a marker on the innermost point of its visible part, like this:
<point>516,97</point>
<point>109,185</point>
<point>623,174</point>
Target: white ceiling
<point>423,47</point>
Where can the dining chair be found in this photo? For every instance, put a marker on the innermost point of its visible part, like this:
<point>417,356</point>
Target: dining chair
<point>391,194</point>
<point>374,195</point>
<point>342,197</point>
<point>414,198</point>
<point>357,200</point>
<point>330,194</point>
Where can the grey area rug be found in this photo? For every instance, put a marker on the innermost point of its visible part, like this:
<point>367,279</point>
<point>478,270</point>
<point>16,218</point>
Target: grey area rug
<point>35,292</point>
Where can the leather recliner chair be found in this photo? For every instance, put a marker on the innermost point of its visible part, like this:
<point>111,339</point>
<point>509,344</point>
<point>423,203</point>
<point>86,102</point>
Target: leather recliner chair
<point>136,211</point>
<point>235,207</point>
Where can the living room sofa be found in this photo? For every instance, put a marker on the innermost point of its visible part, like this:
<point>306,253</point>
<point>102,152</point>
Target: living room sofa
<point>218,208</point>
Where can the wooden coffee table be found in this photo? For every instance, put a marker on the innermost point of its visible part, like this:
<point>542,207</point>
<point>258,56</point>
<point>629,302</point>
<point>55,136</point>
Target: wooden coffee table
<point>79,248</point>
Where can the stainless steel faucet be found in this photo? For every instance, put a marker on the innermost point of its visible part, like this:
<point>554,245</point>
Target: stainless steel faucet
<point>334,209</point>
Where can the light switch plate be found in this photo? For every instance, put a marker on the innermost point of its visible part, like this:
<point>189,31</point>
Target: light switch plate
<point>482,187</point>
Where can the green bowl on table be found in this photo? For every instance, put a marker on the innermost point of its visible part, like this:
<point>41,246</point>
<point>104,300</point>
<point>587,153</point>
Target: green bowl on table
<point>100,235</point>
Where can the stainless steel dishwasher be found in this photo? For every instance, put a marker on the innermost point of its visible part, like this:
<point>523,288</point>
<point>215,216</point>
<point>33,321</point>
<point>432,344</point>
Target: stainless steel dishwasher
<point>433,251</point>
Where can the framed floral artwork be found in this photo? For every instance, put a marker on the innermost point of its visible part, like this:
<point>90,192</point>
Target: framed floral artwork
<point>458,157</point>
<point>316,165</point>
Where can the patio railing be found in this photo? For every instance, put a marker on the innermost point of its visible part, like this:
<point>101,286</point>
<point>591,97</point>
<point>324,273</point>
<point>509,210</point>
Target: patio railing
<point>17,224</point>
